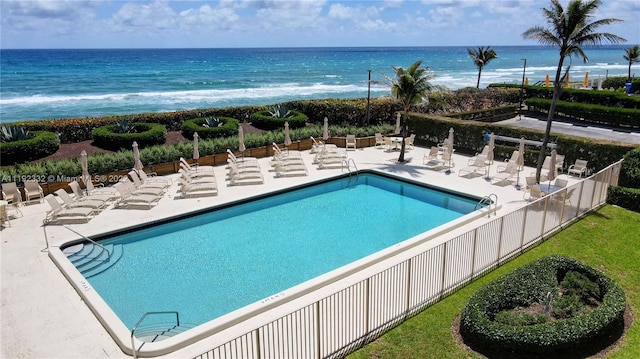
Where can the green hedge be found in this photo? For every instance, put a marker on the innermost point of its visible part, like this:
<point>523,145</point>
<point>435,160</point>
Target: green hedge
<point>528,285</point>
<point>41,144</point>
<point>229,128</point>
<point>595,97</point>
<point>503,112</point>
<point>265,121</point>
<point>148,134</point>
<point>624,197</point>
<point>598,114</point>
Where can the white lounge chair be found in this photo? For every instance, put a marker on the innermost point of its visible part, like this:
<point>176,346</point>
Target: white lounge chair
<point>196,168</point>
<point>137,189</point>
<point>129,198</point>
<point>318,146</point>
<point>70,214</point>
<point>431,157</point>
<point>201,189</point>
<point>142,185</point>
<point>479,166</point>
<point>484,152</point>
<point>69,202</point>
<point>153,177</point>
<point>290,169</point>
<point>408,142</point>
<point>506,172</point>
<point>77,192</point>
<point>91,189</point>
<point>379,140</point>
<point>33,191</point>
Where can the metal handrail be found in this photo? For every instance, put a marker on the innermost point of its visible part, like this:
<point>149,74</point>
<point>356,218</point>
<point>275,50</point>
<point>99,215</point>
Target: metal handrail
<point>488,201</point>
<point>135,327</point>
<point>347,163</point>
<point>90,240</point>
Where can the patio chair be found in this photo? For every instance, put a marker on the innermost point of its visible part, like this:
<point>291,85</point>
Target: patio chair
<point>535,193</point>
<point>69,202</point>
<point>484,152</point>
<point>379,140</point>
<point>153,177</point>
<point>559,163</point>
<point>430,157</point>
<point>529,182</point>
<point>579,168</point>
<point>290,169</point>
<point>350,142</point>
<point>100,189</point>
<point>318,146</point>
<point>479,165</point>
<point>560,182</point>
<point>32,190</point>
<point>150,185</point>
<point>128,198</point>
<point>57,211</point>
<point>11,193</point>
<point>157,192</point>
<point>408,142</point>
<point>184,163</point>
<point>77,192</point>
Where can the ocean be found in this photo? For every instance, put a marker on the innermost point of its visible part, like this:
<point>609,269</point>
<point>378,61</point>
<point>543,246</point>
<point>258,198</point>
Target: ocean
<point>50,84</point>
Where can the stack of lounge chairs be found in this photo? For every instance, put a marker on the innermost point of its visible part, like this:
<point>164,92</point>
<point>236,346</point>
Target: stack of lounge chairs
<point>328,155</point>
<point>287,163</point>
<point>197,181</point>
<point>243,171</point>
<point>318,146</point>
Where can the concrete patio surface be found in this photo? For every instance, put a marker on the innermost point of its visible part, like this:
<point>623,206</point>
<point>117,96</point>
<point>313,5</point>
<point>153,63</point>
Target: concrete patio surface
<point>42,315</point>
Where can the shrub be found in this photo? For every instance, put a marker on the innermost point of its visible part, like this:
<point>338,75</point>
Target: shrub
<point>13,133</point>
<point>624,197</point>
<point>630,172</point>
<point>528,285</point>
<point>265,120</point>
<point>39,144</point>
<point>226,127</point>
<point>145,134</point>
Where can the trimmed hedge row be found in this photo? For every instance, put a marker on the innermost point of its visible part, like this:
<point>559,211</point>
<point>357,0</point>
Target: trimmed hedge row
<point>504,111</point>
<point>604,98</point>
<point>529,285</point>
<point>42,144</point>
<point>150,134</point>
<point>624,197</point>
<point>599,114</point>
<point>265,121</point>
<point>229,128</point>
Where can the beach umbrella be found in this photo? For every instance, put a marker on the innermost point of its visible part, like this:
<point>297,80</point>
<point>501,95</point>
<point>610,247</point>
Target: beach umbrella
<point>85,166</point>
<point>491,145</point>
<point>287,138</point>
<point>397,129</point>
<point>546,81</point>
<point>450,149</point>
<point>585,83</point>
<point>520,161</point>
<point>196,150</point>
<point>241,146</point>
<point>552,166</point>
<point>566,84</point>
<point>526,81</point>
<point>325,129</point>
<point>137,164</point>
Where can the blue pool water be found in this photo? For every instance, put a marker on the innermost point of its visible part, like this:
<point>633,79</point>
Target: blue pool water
<point>213,263</point>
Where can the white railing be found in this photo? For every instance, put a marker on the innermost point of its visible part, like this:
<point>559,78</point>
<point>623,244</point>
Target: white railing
<point>353,316</point>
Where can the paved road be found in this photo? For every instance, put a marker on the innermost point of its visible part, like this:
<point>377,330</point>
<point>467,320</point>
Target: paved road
<point>576,130</point>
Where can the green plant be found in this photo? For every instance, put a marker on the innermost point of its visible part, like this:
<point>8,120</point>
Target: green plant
<point>511,317</point>
<point>124,126</point>
<point>210,127</point>
<point>280,111</point>
<point>581,286</point>
<point>630,172</point>
<point>212,122</point>
<point>265,120</point>
<point>13,133</point>
<point>39,144</point>
<point>567,306</point>
<point>148,134</point>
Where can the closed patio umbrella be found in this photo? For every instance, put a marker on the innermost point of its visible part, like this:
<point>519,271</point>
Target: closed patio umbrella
<point>450,149</point>
<point>397,129</point>
<point>287,137</point>
<point>85,166</point>
<point>546,81</point>
<point>137,164</point>
<point>196,149</point>
<point>552,166</point>
<point>520,161</point>
<point>491,145</point>
<point>325,129</point>
<point>241,146</point>
<point>585,83</point>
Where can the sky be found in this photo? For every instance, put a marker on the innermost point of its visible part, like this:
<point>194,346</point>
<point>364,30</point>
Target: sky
<point>36,24</point>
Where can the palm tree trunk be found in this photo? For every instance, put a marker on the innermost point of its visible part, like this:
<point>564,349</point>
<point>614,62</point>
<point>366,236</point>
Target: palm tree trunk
<point>403,131</point>
<point>479,73</point>
<point>557,91</point>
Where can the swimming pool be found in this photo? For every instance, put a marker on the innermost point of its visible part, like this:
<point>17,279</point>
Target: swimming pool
<point>214,263</point>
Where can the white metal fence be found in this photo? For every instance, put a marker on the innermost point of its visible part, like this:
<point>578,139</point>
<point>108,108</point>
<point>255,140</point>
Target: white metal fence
<point>344,321</point>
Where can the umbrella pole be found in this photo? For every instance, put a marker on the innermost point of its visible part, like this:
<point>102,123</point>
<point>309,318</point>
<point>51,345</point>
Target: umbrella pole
<point>518,180</point>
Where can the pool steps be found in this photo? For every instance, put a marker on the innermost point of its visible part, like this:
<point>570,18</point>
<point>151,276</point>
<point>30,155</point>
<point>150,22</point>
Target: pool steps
<point>160,331</point>
<point>91,259</point>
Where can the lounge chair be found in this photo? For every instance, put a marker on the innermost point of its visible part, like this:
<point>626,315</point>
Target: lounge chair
<point>32,190</point>
<point>318,146</point>
<point>201,189</point>
<point>95,204</point>
<point>137,188</point>
<point>153,177</point>
<point>350,142</point>
<point>431,156</point>
<point>408,142</point>
<point>141,185</point>
<point>579,168</point>
<point>77,192</point>
<point>478,166</point>
<point>238,176</point>
<point>290,169</point>
<point>242,160</point>
<point>196,168</point>
<point>485,152</point>
<point>57,212</point>
<point>11,193</point>
<point>129,198</point>
<point>506,173</point>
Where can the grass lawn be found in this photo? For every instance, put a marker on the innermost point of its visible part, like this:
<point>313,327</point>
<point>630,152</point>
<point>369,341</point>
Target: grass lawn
<point>608,239</point>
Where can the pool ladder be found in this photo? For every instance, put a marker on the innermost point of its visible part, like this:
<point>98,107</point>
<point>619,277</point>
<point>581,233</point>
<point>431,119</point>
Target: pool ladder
<point>347,164</point>
<point>133,348</point>
<point>488,201</point>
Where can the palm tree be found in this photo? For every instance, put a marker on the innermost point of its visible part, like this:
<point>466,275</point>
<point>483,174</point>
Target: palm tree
<point>409,86</point>
<point>481,57</point>
<point>632,55</point>
<point>569,30</point>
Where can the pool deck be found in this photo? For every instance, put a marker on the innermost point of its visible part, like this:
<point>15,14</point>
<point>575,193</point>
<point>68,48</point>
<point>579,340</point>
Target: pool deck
<point>44,317</point>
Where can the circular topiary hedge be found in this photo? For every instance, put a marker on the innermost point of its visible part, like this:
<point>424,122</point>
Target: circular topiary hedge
<point>228,128</point>
<point>264,120</point>
<point>145,134</point>
<point>527,286</point>
<point>41,144</point>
